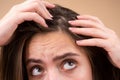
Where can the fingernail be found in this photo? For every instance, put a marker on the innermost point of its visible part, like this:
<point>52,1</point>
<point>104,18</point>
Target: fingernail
<point>50,15</point>
<point>45,25</point>
<point>70,22</point>
<point>70,28</point>
<point>49,18</point>
<point>53,5</point>
<point>78,42</point>
<point>78,16</point>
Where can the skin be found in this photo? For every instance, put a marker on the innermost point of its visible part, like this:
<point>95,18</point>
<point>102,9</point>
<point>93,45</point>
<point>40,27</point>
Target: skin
<point>54,52</point>
<point>36,11</point>
<point>29,10</point>
<point>102,36</point>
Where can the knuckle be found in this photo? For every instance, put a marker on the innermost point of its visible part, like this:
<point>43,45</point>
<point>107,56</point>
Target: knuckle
<point>99,32</point>
<point>34,14</point>
<point>112,32</point>
<point>96,41</point>
<point>96,18</point>
<point>36,4</point>
<point>93,30</point>
<point>15,7</point>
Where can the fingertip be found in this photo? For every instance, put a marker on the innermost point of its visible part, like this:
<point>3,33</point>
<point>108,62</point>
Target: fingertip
<point>45,25</point>
<point>78,16</point>
<point>49,5</point>
<point>71,28</point>
<point>70,22</point>
<point>49,17</point>
<point>52,5</point>
<point>79,42</point>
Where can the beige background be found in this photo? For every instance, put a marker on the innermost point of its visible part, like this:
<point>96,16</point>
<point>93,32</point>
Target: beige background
<point>107,10</point>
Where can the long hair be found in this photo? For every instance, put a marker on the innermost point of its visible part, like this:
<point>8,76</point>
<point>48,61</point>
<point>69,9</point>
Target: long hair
<point>12,66</point>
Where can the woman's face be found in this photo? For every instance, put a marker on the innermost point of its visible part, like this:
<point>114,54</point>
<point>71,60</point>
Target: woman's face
<point>55,56</point>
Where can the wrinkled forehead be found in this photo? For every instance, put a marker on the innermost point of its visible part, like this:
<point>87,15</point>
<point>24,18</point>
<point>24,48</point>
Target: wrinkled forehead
<point>51,44</point>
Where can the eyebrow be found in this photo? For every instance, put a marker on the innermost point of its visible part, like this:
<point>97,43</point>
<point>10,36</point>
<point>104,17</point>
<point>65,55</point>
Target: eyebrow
<point>69,54</point>
<point>33,61</point>
<point>64,56</point>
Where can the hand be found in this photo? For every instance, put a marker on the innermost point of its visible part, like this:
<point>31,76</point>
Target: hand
<point>27,11</point>
<point>102,36</point>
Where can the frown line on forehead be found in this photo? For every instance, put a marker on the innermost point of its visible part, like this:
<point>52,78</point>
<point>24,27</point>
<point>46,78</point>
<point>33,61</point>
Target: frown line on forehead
<point>56,58</point>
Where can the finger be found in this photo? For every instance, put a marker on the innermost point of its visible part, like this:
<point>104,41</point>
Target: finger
<point>92,42</point>
<point>85,23</point>
<point>93,32</point>
<point>88,17</point>
<point>48,5</point>
<point>41,10</point>
<point>30,16</point>
<point>36,6</point>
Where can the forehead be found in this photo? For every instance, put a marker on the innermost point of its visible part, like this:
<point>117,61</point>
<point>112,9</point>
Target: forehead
<point>50,44</point>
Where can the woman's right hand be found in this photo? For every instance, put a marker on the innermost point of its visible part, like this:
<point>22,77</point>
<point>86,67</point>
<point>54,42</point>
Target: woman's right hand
<point>30,10</point>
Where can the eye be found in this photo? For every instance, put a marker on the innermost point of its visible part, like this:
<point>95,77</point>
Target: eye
<point>69,65</point>
<point>36,71</point>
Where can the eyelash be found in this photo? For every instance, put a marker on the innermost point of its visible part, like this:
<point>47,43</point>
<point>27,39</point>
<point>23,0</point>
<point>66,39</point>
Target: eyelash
<point>66,61</point>
<point>37,67</point>
<point>62,65</point>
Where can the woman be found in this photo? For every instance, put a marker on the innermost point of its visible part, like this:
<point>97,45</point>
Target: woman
<point>46,47</point>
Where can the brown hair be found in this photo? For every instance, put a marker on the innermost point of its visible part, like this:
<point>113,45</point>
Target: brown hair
<point>12,65</point>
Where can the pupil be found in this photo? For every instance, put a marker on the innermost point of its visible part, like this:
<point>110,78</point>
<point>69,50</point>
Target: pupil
<point>70,63</point>
<point>38,69</point>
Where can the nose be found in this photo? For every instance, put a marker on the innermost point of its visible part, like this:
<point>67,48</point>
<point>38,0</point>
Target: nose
<point>53,74</point>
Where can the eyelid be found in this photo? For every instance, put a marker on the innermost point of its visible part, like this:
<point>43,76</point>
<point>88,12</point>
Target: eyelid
<point>66,60</point>
<point>33,67</point>
<point>69,59</point>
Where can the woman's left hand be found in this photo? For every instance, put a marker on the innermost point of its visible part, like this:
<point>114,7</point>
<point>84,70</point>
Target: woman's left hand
<point>102,36</point>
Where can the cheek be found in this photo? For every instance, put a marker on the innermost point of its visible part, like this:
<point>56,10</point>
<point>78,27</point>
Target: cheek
<point>81,73</point>
<point>84,73</point>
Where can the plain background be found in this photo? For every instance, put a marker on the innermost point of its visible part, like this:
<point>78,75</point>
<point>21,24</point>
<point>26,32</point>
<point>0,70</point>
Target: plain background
<point>107,10</point>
